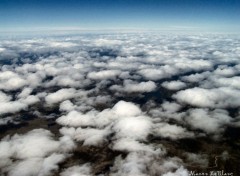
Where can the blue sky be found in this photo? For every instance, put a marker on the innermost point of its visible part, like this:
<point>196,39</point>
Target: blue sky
<point>199,15</point>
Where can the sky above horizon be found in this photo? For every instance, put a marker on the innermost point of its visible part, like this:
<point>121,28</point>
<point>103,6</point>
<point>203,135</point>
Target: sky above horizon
<point>186,15</point>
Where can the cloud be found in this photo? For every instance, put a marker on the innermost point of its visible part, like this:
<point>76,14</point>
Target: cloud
<point>94,118</point>
<point>67,105</point>
<point>107,42</point>
<point>25,92</point>
<point>105,74</point>
<point>157,74</point>
<point>208,121</point>
<point>195,78</point>
<point>197,159</point>
<point>31,99</point>
<point>4,97</point>
<point>133,164</point>
<point>171,107</point>
<point>6,120</point>
<point>146,163</point>
<point>233,82</point>
<point>218,97</point>
<point>82,170</point>
<point>76,119</point>
<point>224,70</point>
<point>131,86</point>
<point>33,153</point>
<point>133,127</point>
<point>36,143</point>
<point>171,131</point>
<point>174,85</point>
<point>36,166</point>
<point>123,108</point>
<point>60,96</point>
<point>129,145</point>
<point>180,171</point>
<point>89,136</point>
<point>11,81</point>
<point>12,106</point>
<point>123,119</point>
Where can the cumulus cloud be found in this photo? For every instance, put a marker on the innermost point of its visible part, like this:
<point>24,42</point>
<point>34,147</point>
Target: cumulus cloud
<point>123,108</point>
<point>171,131</point>
<point>89,136</point>
<point>36,166</point>
<point>218,97</point>
<point>11,81</point>
<point>170,106</point>
<point>158,73</point>
<point>233,82</point>
<point>200,160</point>
<point>133,127</point>
<point>66,105</point>
<point>131,86</point>
<point>180,171</point>
<point>208,121</point>
<point>82,170</point>
<point>37,143</point>
<point>174,85</point>
<point>11,106</point>
<point>195,77</point>
<point>25,92</point>
<point>94,118</point>
<point>224,70</point>
<point>146,163</point>
<point>76,119</point>
<point>105,74</point>
<point>4,97</point>
<point>33,153</point>
<point>31,99</point>
<point>133,164</point>
<point>60,96</point>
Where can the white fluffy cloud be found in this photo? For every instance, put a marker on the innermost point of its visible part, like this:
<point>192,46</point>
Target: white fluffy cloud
<point>123,108</point>
<point>208,121</point>
<point>133,127</point>
<point>76,119</point>
<point>33,153</point>
<point>36,166</point>
<point>195,78</point>
<point>60,95</point>
<point>233,82</point>
<point>67,105</point>
<point>174,85</point>
<point>218,97</point>
<point>131,86</point>
<point>171,131</point>
<point>157,74</point>
<point>11,81</point>
<point>11,106</point>
<point>105,74</point>
<point>89,136</point>
<point>82,170</point>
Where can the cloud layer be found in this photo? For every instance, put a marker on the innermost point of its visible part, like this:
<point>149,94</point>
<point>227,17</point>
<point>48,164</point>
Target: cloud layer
<point>134,97</point>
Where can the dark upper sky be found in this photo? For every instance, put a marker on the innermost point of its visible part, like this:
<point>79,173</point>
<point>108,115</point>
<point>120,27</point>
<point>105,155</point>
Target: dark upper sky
<point>199,15</point>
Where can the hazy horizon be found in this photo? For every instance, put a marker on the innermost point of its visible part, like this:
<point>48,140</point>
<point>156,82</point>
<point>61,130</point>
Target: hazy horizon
<point>197,15</point>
